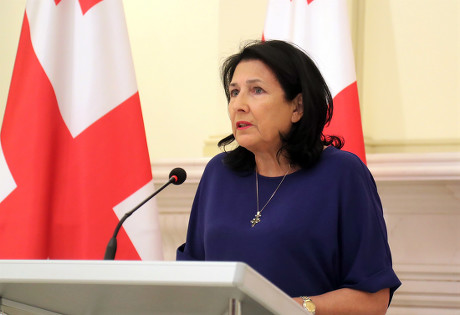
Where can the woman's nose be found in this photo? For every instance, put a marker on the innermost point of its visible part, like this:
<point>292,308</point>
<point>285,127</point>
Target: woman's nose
<point>240,102</point>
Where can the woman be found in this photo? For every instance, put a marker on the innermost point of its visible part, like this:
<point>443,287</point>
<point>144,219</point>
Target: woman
<point>287,201</point>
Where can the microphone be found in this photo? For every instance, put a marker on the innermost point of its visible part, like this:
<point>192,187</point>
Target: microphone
<point>177,176</point>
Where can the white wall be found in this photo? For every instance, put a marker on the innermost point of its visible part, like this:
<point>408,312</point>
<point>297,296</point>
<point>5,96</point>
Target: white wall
<point>410,74</point>
<point>407,57</point>
<point>174,46</point>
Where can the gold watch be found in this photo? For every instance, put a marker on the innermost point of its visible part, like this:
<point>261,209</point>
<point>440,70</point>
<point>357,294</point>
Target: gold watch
<point>308,304</point>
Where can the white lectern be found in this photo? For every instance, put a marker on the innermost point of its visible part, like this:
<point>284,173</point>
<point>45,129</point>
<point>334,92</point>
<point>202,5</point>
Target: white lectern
<point>138,287</point>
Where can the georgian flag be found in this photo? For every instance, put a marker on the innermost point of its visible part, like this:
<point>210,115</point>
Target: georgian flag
<point>321,28</point>
<point>73,151</point>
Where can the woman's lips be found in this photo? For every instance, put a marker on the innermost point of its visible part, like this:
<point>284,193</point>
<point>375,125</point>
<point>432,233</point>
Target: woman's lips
<point>240,125</point>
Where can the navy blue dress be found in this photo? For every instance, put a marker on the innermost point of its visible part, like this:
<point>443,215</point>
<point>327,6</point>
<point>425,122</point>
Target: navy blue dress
<point>323,230</point>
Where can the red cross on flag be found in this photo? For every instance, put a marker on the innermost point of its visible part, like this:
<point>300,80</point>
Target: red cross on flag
<point>73,151</point>
<point>321,28</point>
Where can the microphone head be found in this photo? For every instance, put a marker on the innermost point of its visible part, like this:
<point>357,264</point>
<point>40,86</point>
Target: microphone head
<point>179,175</point>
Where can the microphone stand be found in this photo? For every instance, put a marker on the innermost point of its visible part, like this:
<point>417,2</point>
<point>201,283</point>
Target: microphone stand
<point>111,248</point>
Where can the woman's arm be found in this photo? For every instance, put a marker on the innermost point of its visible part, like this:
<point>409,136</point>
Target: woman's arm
<point>349,301</point>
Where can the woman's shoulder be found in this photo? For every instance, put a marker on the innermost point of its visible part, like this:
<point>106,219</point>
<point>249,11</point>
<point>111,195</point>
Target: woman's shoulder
<point>216,161</point>
<point>218,169</point>
<point>342,164</point>
<point>333,156</point>
<point>216,166</point>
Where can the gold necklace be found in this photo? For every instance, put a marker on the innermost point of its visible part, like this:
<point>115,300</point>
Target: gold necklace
<point>259,212</point>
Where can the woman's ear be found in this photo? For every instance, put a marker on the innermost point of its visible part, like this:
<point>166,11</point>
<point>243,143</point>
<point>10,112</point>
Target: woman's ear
<point>297,112</point>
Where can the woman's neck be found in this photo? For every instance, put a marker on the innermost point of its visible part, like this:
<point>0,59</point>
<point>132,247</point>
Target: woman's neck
<point>271,166</point>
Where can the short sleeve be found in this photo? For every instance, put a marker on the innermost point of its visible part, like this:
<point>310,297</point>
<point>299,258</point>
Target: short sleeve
<point>366,262</point>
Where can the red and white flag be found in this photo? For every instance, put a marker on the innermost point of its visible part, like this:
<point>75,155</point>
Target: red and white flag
<point>73,151</point>
<point>321,28</point>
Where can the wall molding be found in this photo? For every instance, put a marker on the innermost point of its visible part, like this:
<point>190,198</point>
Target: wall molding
<point>430,286</point>
<point>415,166</point>
<point>384,166</point>
<point>411,145</point>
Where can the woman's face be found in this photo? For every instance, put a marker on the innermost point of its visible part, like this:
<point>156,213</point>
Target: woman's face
<point>258,109</point>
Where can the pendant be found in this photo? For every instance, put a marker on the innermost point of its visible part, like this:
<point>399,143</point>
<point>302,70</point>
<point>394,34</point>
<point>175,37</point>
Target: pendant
<point>256,219</point>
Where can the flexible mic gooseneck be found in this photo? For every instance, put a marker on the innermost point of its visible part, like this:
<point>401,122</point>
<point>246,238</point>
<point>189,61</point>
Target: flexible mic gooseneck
<point>177,176</point>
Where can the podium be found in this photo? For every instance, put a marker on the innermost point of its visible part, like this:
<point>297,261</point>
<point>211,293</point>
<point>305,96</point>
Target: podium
<point>138,287</point>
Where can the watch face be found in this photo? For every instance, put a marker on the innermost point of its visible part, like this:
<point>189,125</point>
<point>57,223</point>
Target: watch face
<point>310,306</point>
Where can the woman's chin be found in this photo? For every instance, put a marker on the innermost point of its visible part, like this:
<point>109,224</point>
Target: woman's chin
<point>245,143</point>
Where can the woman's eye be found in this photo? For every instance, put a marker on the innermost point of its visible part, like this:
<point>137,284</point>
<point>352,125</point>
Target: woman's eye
<point>258,90</point>
<point>234,93</point>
